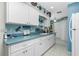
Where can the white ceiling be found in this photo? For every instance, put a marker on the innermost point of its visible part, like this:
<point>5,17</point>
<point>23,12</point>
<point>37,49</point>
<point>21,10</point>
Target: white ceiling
<point>58,6</point>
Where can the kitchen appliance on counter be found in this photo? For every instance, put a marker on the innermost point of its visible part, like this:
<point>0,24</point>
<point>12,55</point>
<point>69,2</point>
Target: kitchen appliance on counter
<point>12,35</point>
<point>16,34</point>
<point>26,32</point>
<point>45,30</point>
<point>51,27</point>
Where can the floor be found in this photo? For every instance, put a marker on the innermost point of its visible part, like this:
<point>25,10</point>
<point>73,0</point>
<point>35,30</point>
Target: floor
<point>59,49</point>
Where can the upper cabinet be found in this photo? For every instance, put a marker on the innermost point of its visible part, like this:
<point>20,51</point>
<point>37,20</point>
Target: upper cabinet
<point>16,13</point>
<point>33,16</point>
<point>21,13</point>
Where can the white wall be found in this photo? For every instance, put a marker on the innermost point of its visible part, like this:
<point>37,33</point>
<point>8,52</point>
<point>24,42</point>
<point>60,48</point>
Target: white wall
<point>61,29</point>
<point>2,25</point>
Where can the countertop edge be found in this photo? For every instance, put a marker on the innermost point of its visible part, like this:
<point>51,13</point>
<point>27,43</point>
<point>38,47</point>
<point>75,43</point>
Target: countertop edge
<point>28,39</point>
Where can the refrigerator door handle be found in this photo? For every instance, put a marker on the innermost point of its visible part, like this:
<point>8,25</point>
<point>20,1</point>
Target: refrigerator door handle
<point>70,29</point>
<point>73,29</point>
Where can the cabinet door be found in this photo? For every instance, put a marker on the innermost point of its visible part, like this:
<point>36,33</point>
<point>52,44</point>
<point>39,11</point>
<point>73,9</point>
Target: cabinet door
<point>45,42</point>
<point>18,53</point>
<point>33,16</point>
<point>48,42</point>
<point>42,46</point>
<point>39,49</point>
<point>16,13</point>
<point>52,39</point>
<point>15,47</point>
<point>27,51</point>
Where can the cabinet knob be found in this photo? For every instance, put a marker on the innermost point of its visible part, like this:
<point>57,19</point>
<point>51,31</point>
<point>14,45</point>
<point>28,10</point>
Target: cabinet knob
<point>40,43</point>
<point>26,51</point>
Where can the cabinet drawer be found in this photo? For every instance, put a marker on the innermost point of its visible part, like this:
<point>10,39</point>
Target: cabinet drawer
<point>22,52</point>
<point>51,40</point>
<point>18,53</point>
<point>18,46</point>
<point>27,51</point>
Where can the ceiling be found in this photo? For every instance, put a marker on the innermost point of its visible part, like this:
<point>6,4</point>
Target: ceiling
<point>57,6</point>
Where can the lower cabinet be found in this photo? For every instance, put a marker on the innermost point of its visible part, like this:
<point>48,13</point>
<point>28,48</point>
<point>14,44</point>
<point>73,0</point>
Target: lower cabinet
<point>28,51</point>
<point>51,40</point>
<point>37,48</point>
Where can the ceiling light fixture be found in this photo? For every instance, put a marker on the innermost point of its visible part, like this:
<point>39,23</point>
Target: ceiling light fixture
<point>51,7</point>
<point>54,20</point>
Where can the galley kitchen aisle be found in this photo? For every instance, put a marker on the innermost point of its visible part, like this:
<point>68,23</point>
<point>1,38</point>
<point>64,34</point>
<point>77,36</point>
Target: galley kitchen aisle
<point>35,28</point>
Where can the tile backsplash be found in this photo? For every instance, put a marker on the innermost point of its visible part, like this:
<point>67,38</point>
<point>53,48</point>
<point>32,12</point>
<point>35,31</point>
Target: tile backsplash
<point>11,28</point>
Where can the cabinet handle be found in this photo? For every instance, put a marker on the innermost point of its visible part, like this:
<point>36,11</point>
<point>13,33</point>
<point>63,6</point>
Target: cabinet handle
<point>26,51</point>
<point>48,39</point>
<point>74,29</point>
<point>40,43</point>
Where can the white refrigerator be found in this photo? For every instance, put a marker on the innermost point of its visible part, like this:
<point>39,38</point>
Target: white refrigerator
<point>75,34</point>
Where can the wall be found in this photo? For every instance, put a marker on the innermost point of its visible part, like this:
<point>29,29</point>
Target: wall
<point>61,29</point>
<point>2,25</point>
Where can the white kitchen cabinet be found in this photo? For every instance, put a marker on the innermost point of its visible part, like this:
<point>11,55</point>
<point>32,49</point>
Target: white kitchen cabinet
<point>40,48</point>
<point>52,39</point>
<point>44,44</point>
<point>16,13</point>
<point>27,51</point>
<point>48,41</point>
<point>21,13</point>
<point>33,16</point>
<point>19,53</point>
<point>35,47</point>
<point>15,47</point>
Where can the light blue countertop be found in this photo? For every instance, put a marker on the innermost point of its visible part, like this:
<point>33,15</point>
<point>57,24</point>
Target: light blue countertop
<point>23,38</point>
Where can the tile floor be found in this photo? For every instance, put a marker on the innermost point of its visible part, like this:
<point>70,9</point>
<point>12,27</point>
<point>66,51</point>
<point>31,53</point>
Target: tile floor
<point>59,49</point>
